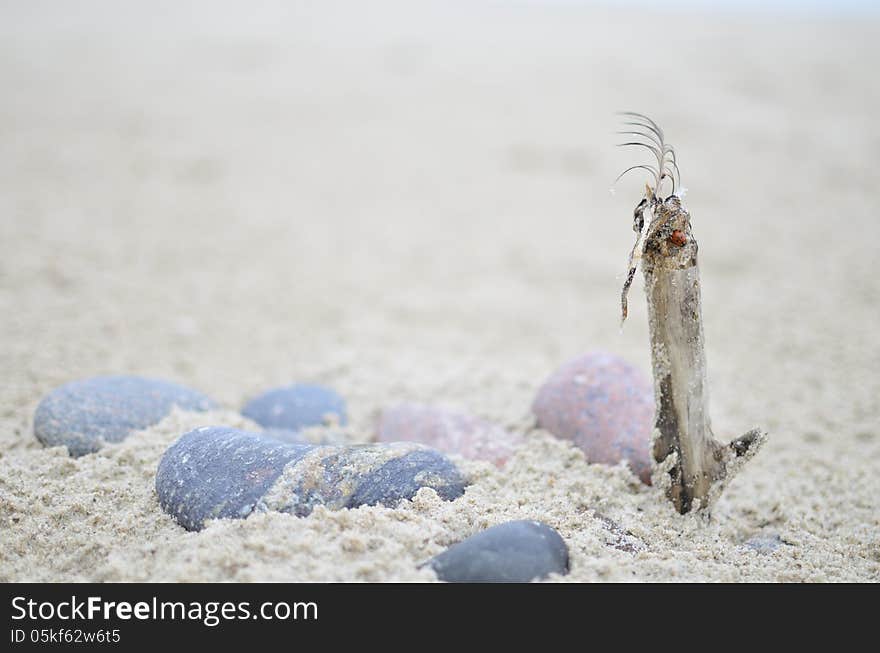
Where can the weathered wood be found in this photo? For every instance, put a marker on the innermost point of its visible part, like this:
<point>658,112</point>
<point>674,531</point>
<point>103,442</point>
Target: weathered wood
<point>692,465</point>
<point>689,462</point>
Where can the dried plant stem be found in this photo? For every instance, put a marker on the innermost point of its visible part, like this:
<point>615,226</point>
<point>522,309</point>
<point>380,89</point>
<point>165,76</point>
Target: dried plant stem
<point>695,465</point>
<point>691,464</point>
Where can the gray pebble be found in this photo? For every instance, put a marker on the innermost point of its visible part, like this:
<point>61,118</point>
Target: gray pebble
<point>402,476</point>
<point>83,415</point>
<point>216,472</point>
<point>514,552</point>
<point>308,436</point>
<point>295,407</point>
<point>764,543</point>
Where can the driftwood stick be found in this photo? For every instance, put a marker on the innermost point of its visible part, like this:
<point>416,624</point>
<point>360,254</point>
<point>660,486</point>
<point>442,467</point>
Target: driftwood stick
<point>690,463</point>
<point>698,466</point>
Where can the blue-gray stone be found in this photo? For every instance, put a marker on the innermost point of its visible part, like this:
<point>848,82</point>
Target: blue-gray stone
<point>764,543</point>
<point>326,436</point>
<point>514,552</point>
<point>216,471</point>
<point>220,472</point>
<point>403,476</point>
<point>295,407</point>
<point>83,415</point>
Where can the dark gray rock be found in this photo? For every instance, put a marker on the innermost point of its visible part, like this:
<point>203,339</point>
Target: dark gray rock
<point>362,474</point>
<point>215,472</point>
<point>403,475</point>
<point>83,415</point>
<point>219,472</point>
<point>285,435</point>
<point>305,436</point>
<point>514,552</point>
<point>295,407</point>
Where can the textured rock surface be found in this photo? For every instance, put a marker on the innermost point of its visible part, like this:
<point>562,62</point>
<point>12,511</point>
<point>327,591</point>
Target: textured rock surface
<point>83,415</point>
<point>605,406</point>
<point>295,407</point>
<point>514,552</point>
<point>448,431</point>
<point>216,472</point>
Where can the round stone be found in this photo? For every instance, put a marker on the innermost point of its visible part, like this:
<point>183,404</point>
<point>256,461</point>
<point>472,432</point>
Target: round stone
<point>83,415</point>
<point>447,430</point>
<point>603,405</point>
<point>218,472</point>
<point>514,552</point>
<point>295,407</point>
<point>308,436</point>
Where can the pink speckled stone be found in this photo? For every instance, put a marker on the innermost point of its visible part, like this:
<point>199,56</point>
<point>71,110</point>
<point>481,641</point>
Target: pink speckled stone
<point>448,431</point>
<point>603,405</point>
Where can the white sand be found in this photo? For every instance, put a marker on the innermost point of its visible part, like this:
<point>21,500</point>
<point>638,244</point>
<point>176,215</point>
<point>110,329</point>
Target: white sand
<point>413,205</point>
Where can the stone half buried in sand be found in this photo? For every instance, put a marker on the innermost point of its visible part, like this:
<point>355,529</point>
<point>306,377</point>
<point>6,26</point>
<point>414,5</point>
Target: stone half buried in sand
<point>218,472</point>
<point>764,543</point>
<point>296,407</point>
<point>514,552</point>
<point>603,405</point>
<point>447,430</point>
<point>83,415</point>
<point>311,435</point>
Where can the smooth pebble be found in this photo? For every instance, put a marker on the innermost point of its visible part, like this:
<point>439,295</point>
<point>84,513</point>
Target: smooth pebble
<point>447,430</point>
<point>307,436</point>
<point>764,543</point>
<point>513,552</point>
<point>220,472</point>
<point>83,415</point>
<point>603,405</point>
<point>295,407</point>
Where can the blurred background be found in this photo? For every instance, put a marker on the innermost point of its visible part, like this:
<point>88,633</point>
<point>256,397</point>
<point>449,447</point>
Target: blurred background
<point>411,199</point>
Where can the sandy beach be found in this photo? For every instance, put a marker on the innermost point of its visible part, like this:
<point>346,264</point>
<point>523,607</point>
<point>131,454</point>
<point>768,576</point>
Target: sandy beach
<point>411,203</point>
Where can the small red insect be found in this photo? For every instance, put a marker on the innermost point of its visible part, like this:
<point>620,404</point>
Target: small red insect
<point>678,238</point>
